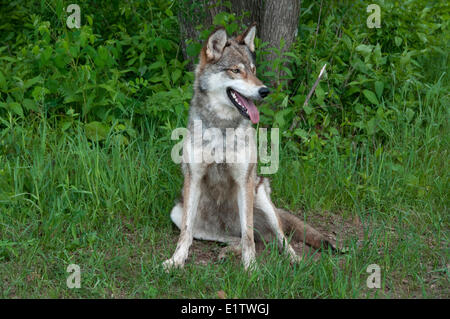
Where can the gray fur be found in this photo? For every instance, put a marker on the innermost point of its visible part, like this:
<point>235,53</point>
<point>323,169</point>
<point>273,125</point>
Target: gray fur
<point>217,187</point>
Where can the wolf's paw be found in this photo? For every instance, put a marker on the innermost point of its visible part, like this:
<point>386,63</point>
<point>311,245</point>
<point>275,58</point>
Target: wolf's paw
<point>251,267</point>
<point>250,263</point>
<point>295,258</point>
<point>171,264</point>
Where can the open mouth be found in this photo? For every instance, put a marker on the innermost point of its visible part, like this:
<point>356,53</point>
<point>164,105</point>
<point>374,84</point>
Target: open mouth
<point>245,106</point>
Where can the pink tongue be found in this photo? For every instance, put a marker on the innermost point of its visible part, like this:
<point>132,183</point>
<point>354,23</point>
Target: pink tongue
<point>250,106</point>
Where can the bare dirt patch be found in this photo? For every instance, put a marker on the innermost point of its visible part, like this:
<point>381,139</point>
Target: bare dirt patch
<point>333,226</point>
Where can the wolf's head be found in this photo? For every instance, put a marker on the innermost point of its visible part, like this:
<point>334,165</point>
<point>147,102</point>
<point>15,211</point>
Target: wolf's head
<point>226,73</point>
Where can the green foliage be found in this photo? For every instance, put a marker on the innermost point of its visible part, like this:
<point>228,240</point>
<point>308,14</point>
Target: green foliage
<point>363,95</point>
<point>124,65</point>
<point>111,70</point>
<point>85,169</point>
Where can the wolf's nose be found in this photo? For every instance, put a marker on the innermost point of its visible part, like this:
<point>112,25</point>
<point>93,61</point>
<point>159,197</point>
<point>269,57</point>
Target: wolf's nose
<point>263,92</point>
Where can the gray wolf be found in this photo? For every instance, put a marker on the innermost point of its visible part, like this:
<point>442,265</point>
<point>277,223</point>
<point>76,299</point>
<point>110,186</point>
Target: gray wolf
<point>228,202</point>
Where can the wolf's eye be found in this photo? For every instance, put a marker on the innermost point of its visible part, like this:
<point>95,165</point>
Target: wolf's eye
<point>236,71</point>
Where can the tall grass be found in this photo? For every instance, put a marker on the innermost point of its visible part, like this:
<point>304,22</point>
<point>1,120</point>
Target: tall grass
<point>105,206</point>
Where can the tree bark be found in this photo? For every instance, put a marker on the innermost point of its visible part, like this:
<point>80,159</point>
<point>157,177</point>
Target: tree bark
<point>190,14</point>
<point>254,7</point>
<point>276,19</point>
<point>280,21</point>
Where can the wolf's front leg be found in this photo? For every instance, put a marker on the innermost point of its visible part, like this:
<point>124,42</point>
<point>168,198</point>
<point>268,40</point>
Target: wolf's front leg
<point>265,205</point>
<point>191,195</point>
<point>245,196</point>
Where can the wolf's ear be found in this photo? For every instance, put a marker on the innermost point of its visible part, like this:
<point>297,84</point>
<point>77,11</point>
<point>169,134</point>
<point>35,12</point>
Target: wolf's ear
<point>248,37</point>
<point>215,45</point>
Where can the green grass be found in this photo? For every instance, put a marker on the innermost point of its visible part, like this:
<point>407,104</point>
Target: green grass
<point>105,207</point>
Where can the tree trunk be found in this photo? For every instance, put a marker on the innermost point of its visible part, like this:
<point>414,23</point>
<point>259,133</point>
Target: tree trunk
<point>190,14</point>
<point>280,21</point>
<point>276,19</point>
<point>254,7</point>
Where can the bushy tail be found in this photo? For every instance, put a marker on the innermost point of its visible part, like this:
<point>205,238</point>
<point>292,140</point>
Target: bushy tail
<point>302,232</point>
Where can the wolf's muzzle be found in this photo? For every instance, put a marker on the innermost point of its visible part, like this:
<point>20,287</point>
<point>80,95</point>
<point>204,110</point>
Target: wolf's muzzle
<point>263,92</point>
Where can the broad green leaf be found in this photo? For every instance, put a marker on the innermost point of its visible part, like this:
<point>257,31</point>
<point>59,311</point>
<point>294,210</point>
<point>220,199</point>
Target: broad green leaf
<point>359,108</point>
<point>290,54</point>
<point>352,90</point>
<point>364,50</point>
<point>3,84</point>
<point>31,82</point>
<point>96,131</point>
<point>89,19</point>
<point>308,109</point>
<point>168,12</point>
<point>74,50</point>
<point>35,50</point>
<point>359,124</point>
<point>320,93</point>
<point>334,131</point>
<point>422,37</point>
<point>222,18</point>
<point>405,59</point>
<point>326,121</point>
<point>16,108</point>
<point>156,79</point>
<point>64,125</point>
<point>156,65</point>
<point>379,87</point>
<point>279,117</point>
<point>379,151</point>
<point>46,55</point>
<point>193,49</point>
<point>39,92</point>
<point>370,96</point>
<point>299,99</point>
<point>409,114</point>
<point>107,87</point>
<point>30,105</point>
<point>285,102</point>
<point>266,110</point>
<point>379,60</point>
<point>176,75</point>
<point>302,133</point>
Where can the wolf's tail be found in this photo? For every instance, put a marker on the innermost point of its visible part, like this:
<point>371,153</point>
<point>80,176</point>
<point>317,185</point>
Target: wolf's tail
<point>302,232</point>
